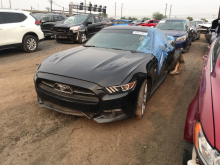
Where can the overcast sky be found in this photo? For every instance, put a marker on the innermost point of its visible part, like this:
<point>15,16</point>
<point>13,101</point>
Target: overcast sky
<point>136,8</point>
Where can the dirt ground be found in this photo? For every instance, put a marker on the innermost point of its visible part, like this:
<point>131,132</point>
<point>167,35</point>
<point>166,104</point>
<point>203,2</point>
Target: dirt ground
<point>33,135</point>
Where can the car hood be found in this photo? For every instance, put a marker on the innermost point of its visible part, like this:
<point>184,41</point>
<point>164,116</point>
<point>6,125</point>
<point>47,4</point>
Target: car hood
<point>67,25</point>
<point>175,33</point>
<point>105,67</point>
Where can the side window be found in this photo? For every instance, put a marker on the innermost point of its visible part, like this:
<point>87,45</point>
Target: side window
<point>115,23</point>
<point>22,16</point>
<point>0,18</point>
<point>10,18</point>
<point>151,22</point>
<point>155,21</point>
<point>97,19</point>
<point>91,19</point>
<point>56,18</point>
<point>61,18</point>
<point>216,53</point>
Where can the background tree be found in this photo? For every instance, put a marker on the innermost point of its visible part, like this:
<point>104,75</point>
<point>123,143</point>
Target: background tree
<point>145,18</point>
<point>158,15</point>
<point>132,18</point>
<point>189,18</point>
<point>123,17</point>
<point>203,19</point>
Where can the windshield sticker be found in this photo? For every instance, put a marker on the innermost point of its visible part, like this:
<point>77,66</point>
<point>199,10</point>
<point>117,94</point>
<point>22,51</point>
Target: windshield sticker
<point>139,33</point>
<point>184,20</point>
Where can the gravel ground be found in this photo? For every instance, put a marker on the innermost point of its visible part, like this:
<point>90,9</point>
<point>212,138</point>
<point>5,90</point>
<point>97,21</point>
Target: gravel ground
<point>33,135</point>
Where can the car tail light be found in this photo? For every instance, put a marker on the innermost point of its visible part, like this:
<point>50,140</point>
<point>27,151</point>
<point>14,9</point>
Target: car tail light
<point>37,22</point>
<point>129,24</point>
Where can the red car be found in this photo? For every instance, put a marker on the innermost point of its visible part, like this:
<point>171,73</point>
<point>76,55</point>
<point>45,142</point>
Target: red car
<point>202,128</point>
<point>149,23</point>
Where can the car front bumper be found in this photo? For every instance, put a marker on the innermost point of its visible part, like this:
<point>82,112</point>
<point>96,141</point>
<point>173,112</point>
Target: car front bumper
<point>101,107</point>
<point>181,45</point>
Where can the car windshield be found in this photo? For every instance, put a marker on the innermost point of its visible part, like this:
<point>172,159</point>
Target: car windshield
<point>171,25</point>
<point>47,18</point>
<point>137,21</point>
<point>37,16</point>
<point>77,19</point>
<point>199,22</point>
<point>193,24</point>
<point>120,39</point>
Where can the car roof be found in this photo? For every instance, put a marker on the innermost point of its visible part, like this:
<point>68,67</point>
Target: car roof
<point>14,11</point>
<point>134,28</point>
<point>178,19</point>
<point>126,20</point>
<point>52,14</point>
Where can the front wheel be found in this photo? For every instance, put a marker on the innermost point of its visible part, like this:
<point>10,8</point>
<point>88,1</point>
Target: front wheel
<point>82,38</point>
<point>30,43</point>
<point>142,99</point>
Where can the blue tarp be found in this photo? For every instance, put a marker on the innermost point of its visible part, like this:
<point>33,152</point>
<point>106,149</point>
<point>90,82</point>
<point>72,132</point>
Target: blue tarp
<point>156,43</point>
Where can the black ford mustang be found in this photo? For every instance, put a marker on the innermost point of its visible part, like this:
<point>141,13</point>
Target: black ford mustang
<point>110,77</point>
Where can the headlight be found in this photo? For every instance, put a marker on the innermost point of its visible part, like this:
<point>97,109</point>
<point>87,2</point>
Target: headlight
<point>183,38</point>
<point>205,150</point>
<point>75,28</point>
<point>121,88</point>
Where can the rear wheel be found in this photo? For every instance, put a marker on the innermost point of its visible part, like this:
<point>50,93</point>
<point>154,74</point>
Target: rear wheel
<point>142,99</point>
<point>30,43</point>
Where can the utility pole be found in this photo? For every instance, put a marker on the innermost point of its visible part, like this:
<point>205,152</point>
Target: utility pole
<point>121,9</point>
<point>1,4</point>
<point>51,2</point>
<point>170,10</point>
<point>85,6</point>
<point>10,3</point>
<point>219,13</point>
<point>115,10</point>
<point>166,10</point>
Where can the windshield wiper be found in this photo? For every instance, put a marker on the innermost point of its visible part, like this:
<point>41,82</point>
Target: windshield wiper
<point>89,46</point>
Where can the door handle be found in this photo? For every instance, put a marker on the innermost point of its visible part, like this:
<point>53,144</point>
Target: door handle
<point>0,28</point>
<point>22,26</point>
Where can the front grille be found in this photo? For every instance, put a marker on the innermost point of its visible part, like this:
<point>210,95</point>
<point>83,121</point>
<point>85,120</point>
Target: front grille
<point>47,27</point>
<point>67,92</point>
<point>61,31</point>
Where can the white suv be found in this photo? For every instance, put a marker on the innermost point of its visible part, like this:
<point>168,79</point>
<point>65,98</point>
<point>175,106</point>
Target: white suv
<point>19,29</point>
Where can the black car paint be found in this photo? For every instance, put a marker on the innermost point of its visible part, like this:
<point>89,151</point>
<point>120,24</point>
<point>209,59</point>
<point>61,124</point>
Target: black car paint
<point>63,32</point>
<point>94,69</point>
<point>48,27</point>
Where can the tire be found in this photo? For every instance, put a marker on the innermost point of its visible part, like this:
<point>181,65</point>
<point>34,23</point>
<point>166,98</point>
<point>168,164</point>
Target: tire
<point>143,95</point>
<point>187,152</point>
<point>194,37</point>
<point>186,50</point>
<point>30,43</point>
<point>59,41</point>
<point>82,38</point>
<point>175,59</point>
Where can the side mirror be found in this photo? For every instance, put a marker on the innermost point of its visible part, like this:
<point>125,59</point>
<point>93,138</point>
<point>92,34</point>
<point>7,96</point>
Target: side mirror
<point>89,23</point>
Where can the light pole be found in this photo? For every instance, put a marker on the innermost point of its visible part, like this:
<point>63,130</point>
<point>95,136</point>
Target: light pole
<point>85,6</point>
